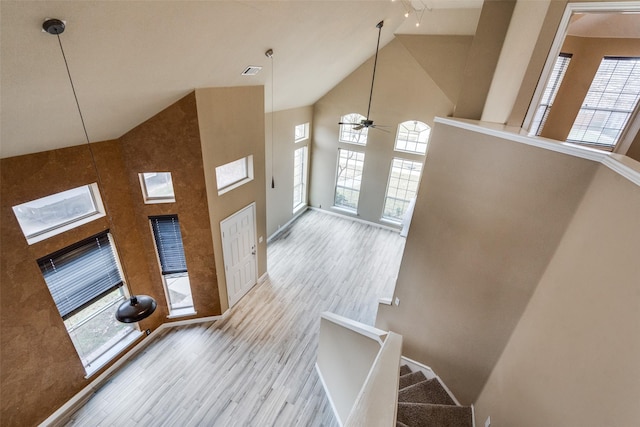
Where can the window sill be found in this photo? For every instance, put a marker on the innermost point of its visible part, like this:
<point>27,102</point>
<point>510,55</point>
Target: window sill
<point>182,312</point>
<point>353,212</point>
<point>397,223</point>
<point>103,360</point>
<point>299,208</point>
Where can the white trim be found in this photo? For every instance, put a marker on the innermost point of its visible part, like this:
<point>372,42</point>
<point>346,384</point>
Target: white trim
<point>288,223</point>
<point>375,334</point>
<point>385,300</point>
<point>333,405</point>
<point>473,416</point>
<point>622,165</point>
<point>375,224</point>
<point>177,314</point>
<point>62,414</point>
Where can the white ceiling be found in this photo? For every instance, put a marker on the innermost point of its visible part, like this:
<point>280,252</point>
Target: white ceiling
<point>129,60</point>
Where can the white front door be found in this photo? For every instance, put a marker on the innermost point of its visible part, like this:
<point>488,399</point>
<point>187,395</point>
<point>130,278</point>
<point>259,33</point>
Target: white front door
<point>239,252</point>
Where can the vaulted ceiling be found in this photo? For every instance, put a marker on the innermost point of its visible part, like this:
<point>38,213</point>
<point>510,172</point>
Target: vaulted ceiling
<point>129,60</point>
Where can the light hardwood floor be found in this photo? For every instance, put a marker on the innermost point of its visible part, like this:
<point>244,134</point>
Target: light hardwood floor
<point>256,366</point>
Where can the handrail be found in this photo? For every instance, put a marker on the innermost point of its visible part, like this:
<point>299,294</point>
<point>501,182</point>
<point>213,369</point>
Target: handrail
<point>377,402</point>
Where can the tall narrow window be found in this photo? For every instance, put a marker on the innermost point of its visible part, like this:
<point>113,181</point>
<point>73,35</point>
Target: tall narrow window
<point>348,179</point>
<point>404,178</point>
<point>173,265</point>
<point>352,133</point>
<point>299,178</point>
<point>549,94</point>
<point>412,137</point>
<point>609,103</point>
<point>87,288</point>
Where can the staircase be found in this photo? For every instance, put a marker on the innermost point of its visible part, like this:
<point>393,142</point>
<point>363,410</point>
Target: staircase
<point>424,402</point>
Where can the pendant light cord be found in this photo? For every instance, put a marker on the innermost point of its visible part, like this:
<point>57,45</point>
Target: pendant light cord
<point>375,64</point>
<point>93,159</point>
<point>269,54</point>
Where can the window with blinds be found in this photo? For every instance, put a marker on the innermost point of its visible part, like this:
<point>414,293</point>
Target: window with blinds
<point>549,94</point>
<point>166,231</point>
<point>81,273</point>
<point>173,264</point>
<point>87,287</point>
<point>609,103</point>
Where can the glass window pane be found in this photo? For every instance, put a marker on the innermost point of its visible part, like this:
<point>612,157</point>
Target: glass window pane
<point>158,185</point>
<point>48,213</point>
<point>348,179</point>
<point>233,174</point>
<point>412,137</point>
<point>402,186</point>
<point>349,133</point>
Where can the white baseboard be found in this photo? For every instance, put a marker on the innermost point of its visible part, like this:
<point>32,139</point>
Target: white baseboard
<point>62,415</point>
<point>287,224</point>
<point>353,218</point>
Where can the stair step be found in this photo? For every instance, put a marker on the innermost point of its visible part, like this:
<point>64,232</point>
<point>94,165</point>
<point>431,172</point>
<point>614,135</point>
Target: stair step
<point>410,379</point>
<point>430,415</point>
<point>399,424</point>
<point>429,391</point>
<point>404,370</point>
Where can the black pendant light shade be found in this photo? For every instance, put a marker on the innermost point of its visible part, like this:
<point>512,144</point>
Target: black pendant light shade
<point>136,308</point>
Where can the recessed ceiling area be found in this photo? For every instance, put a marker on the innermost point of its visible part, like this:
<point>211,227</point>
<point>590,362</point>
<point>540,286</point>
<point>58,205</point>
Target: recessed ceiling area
<point>603,25</point>
<point>130,60</point>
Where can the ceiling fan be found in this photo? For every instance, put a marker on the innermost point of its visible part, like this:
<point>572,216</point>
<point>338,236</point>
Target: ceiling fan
<point>366,123</point>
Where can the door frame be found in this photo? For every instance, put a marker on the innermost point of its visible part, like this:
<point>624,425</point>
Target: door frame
<point>225,255</point>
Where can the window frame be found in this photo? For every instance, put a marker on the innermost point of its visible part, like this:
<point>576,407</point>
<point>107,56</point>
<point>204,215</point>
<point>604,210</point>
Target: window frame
<point>549,93</point>
<point>248,177</point>
<point>45,233</point>
<point>305,132</point>
<point>78,263</point>
<point>165,225</point>
<point>586,110</point>
<point>156,199</point>
<point>302,173</point>
<point>353,179</point>
<point>418,142</point>
<point>345,130</point>
<point>393,219</point>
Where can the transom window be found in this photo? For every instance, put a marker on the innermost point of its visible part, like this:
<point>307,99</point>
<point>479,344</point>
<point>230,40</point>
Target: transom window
<point>157,187</point>
<point>87,288</point>
<point>349,178</point>
<point>45,217</point>
<point>412,137</point>
<point>351,133</point>
<point>301,132</point>
<point>234,174</point>
<point>402,186</point>
<point>609,103</point>
<point>549,95</point>
<point>299,178</point>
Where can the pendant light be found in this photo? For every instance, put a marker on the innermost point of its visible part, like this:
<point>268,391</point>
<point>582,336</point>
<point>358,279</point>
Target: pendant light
<point>137,307</point>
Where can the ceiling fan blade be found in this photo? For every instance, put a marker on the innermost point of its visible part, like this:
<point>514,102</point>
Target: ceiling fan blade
<point>380,128</point>
<point>358,127</point>
<point>349,124</point>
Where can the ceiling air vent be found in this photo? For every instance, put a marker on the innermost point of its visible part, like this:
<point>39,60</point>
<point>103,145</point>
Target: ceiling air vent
<point>251,70</point>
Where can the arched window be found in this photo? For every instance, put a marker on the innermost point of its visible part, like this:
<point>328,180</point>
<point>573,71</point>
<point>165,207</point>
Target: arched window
<point>349,134</point>
<point>412,137</point>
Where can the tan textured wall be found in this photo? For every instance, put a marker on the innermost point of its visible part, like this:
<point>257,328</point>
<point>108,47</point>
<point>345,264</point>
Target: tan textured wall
<point>573,359</point>
<point>634,149</point>
<point>170,142</point>
<point>40,369</point>
<point>403,91</point>
<point>488,218</point>
<point>587,55</point>
<point>483,57</point>
<point>231,124</point>
<point>280,198</point>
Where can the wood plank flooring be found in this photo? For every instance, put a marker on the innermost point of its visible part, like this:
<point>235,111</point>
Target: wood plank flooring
<point>256,366</point>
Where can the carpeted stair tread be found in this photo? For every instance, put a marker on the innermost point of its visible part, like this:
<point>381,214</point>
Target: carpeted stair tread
<point>429,415</point>
<point>410,379</point>
<point>404,370</point>
<point>429,391</point>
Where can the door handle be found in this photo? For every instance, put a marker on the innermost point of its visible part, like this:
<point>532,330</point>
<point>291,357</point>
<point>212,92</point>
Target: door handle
<point>253,250</point>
